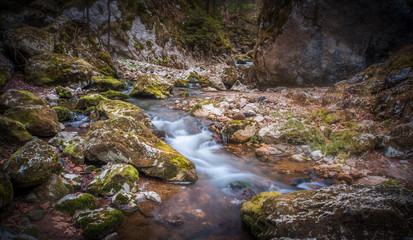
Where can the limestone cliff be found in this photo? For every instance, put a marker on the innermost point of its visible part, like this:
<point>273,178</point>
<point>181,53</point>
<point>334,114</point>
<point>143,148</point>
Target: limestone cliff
<point>304,43</point>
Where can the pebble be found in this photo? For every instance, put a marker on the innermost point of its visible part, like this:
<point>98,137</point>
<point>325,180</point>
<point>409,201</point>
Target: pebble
<point>238,116</point>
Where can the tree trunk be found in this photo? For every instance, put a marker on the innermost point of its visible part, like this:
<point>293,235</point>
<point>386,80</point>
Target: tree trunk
<point>207,6</point>
<point>88,19</point>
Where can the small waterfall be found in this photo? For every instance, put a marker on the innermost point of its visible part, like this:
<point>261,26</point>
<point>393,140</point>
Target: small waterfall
<point>221,168</point>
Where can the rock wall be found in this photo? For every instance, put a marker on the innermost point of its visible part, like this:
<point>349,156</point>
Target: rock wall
<point>305,43</point>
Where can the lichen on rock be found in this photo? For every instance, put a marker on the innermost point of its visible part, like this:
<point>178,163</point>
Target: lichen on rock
<point>32,164</point>
<point>90,100</point>
<point>71,144</point>
<point>107,83</point>
<point>115,108</point>
<point>52,189</point>
<point>115,178</point>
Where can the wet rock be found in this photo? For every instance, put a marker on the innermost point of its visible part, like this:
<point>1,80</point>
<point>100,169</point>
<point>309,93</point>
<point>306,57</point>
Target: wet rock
<point>63,113</point>
<point>239,131</point>
<point>385,212</point>
<point>115,178</point>
<point>31,41</point>
<point>115,108</point>
<point>13,133</point>
<point>6,191</point>
<point>16,98</point>
<point>264,151</point>
<point>152,86</point>
<point>394,153</point>
<point>74,202</point>
<point>38,120</point>
<point>90,100</point>
<point>52,189</point>
<point>100,222</point>
<point>153,196</point>
<point>32,164</point>
<point>58,69</point>
<point>107,83</point>
<point>298,158</point>
<point>122,139</point>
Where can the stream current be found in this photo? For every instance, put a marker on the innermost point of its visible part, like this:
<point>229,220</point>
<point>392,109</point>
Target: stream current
<point>209,208</point>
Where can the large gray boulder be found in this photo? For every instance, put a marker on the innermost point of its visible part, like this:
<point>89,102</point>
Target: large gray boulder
<point>322,42</point>
<point>335,212</point>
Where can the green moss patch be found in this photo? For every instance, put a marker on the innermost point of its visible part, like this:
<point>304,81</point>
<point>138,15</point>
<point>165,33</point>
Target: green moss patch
<point>74,202</point>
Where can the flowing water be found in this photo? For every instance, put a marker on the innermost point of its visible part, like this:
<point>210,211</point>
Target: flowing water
<point>208,209</point>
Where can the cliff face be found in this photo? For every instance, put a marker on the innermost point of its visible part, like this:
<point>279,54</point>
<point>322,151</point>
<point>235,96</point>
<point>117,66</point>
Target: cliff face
<point>305,43</point>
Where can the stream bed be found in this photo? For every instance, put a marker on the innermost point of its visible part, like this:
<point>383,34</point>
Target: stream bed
<point>209,208</point>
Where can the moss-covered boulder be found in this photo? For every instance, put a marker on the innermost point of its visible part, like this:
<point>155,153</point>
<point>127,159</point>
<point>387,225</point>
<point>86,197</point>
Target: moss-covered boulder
<point>124,140</point>
<point>239,131</point>
<point>63,92</point>
<point>90,100</point>
<point>31,41</point>
<point>115,108</point>
<point>52,189</point>
<point>100,222</point>
<point>32,164</point>
<point>38,120</point>
<point>71,144</point>
<point>152,86</point>
<point>107,83</point>
<point>181,83</point>
<point>125,201</point>
<point>339,211</point>
<point>58,69</point>
<point>17,98</point>
<point>120,177</point>
<point>63,113</point>
<point>114,95</point>
<point>13,133</point>
<point>6,191</point>
<point>75,202</point>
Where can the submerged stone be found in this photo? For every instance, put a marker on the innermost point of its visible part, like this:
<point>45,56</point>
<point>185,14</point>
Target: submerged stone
<point>38,120</point>
<point>338,211</point>
<point>100,222</point>
<point>74,202</point>
<point>32,164</point>
<point>115,178</point>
